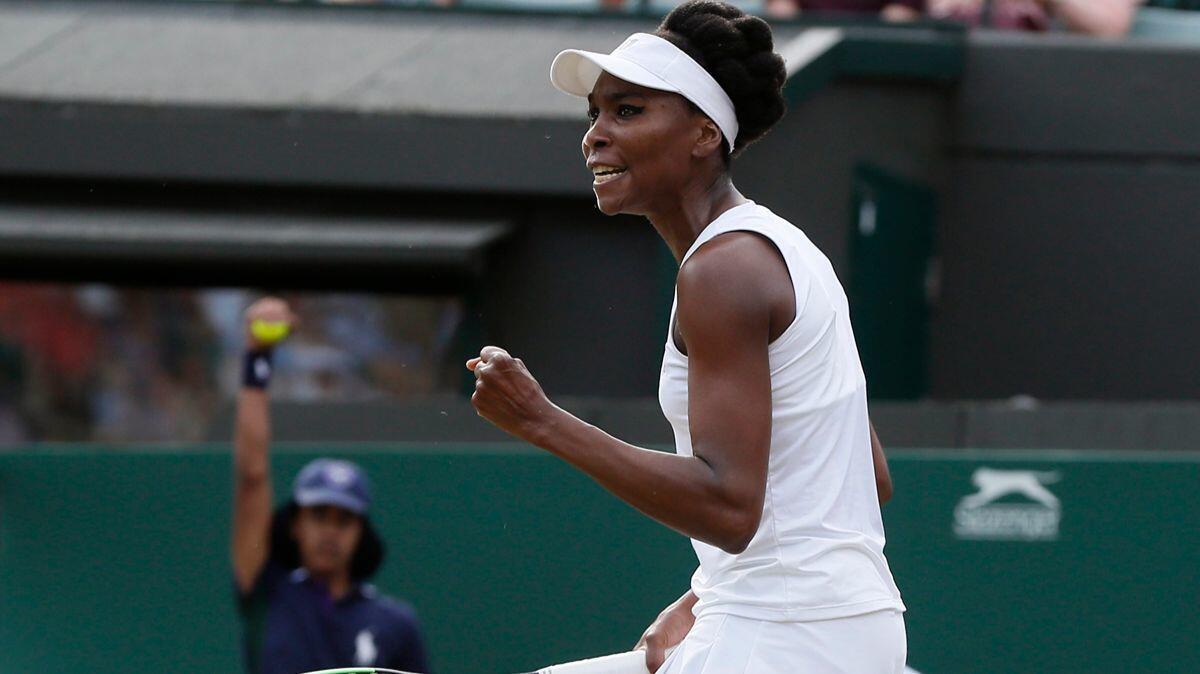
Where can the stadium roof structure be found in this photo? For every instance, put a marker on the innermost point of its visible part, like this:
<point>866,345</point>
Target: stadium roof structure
<point>179,242</point>
<point>409,99</point>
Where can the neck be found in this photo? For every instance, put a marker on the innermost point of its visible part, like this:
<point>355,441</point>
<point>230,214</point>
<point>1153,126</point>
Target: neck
<point>338,584</point>
<point>680,220</point>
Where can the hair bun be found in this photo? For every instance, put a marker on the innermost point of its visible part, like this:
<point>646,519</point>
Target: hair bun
<point>739,52</point>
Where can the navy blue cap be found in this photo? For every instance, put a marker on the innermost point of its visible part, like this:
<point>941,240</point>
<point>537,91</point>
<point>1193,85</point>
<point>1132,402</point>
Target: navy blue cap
<point>333,482</point>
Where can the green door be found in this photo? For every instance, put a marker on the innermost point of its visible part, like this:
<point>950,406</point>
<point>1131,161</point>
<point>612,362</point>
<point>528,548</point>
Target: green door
<point>891,253</point>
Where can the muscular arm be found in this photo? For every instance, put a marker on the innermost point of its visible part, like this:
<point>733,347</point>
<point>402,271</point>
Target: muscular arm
<point>725,294</point>
<point>251,487</point>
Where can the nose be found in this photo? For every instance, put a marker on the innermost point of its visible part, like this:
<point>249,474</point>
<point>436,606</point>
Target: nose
<point>596,137</point>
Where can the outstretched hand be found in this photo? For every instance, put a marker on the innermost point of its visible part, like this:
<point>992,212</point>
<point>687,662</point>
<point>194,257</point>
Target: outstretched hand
<point>507,395</point>
<point>273,311</point>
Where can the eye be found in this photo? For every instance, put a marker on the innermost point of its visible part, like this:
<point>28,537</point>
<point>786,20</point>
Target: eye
<point>628,110</point>
<point>593,113</point>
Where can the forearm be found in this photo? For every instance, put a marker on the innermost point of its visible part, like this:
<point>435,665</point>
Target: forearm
<point>252,436</point>
<point>252,494</point>
<point>682,492</point>
<point>684,603</point>
<point>1103,18</point>
<point>680,609</point>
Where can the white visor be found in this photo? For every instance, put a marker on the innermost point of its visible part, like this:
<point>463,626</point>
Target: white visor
<point>652,62</point>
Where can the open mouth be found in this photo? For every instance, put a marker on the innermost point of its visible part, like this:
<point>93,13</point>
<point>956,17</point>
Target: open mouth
<point>604,174</point>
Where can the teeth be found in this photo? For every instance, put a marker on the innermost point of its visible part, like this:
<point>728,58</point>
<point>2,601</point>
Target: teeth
<point>606,177</point>
<point>602,169</point>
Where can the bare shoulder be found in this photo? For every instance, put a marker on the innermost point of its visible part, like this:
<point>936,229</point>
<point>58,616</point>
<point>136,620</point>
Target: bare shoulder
<point>739,269</point>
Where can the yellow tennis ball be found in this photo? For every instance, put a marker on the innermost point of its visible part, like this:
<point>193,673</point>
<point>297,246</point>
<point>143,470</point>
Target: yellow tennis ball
<point>269,332</point>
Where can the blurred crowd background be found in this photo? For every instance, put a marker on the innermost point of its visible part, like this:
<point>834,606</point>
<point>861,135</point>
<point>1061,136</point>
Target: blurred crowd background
<point>1109,18</point>
<point>101,363</point>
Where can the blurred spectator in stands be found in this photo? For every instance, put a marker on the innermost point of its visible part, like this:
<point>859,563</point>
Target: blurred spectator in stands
<point>52,346</point>
<point>104,364</point>
<point>12,373</point>
<point>889,10</point>
<point>1102,18</point>
<point>154,376</point>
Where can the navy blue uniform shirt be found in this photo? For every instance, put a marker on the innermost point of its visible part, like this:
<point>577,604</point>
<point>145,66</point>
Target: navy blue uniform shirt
<point>293,625</point>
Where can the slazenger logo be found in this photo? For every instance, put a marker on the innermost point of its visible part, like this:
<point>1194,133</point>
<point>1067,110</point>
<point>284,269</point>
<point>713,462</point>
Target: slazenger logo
<point>979,516</point>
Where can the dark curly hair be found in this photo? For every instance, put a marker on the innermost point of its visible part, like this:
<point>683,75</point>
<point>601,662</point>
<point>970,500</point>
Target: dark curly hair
<point>739,52</point>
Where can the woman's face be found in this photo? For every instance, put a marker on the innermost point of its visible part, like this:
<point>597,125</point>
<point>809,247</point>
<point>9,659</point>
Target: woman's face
<point>327,537</point>
<point>640,145</point>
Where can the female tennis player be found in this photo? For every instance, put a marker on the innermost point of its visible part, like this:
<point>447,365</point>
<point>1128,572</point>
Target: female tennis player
<point>777,477</point>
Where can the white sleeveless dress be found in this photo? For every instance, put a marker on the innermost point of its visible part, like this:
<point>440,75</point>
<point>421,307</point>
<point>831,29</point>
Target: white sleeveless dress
<point>812,592</point>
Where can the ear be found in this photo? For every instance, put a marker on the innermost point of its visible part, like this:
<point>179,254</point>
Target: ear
<point>708,138</point>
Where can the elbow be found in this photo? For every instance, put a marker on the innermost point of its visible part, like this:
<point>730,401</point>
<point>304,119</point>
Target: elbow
<point>739,529</point>
<point>736,545</point>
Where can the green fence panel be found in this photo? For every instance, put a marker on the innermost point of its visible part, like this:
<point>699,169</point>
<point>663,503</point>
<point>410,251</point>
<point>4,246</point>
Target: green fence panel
<point>1072,562</point>
<point>116,561</point>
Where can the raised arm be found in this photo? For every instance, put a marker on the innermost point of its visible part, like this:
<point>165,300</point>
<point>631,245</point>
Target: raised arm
<point>726,292</point>
<point>252,496</point>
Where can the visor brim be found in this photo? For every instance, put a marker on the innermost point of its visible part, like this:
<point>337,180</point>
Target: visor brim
<point>329,497</point>
<point>575,72</point>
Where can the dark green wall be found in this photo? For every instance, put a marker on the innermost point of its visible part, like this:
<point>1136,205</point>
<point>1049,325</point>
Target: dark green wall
<point>1115,592</point>
<point>115,561</point>
<point>111,562</point>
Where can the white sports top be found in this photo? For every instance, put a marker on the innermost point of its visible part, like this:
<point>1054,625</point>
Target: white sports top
<point>818,552</point>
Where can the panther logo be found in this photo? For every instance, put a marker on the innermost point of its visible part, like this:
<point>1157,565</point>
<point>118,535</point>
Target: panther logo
<point>981,516</point>
<point>996,484</point>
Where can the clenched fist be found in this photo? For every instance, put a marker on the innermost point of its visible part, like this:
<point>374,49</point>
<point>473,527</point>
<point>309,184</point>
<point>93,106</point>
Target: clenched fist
<point>507,395</point>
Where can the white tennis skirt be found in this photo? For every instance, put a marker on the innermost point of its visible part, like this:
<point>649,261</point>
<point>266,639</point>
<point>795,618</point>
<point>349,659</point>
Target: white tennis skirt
<point>873,643</point>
